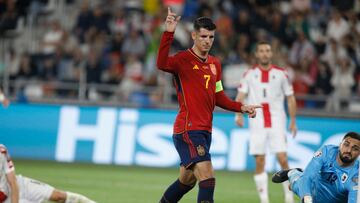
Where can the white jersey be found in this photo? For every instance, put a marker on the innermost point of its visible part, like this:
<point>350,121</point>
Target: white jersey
<point>268,88</point>
<point>6,166</point>
<point>31,191</point>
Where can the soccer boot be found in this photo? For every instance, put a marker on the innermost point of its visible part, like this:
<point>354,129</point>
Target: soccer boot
<point>282,175</point>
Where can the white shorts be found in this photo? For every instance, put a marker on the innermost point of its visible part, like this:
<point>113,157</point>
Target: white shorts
<point>32,191</point>
<point>261,138</point>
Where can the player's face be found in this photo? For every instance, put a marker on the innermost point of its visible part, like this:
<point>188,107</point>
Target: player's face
<point>349,150</point>
<point>263,54</point>
<point>203,39</point>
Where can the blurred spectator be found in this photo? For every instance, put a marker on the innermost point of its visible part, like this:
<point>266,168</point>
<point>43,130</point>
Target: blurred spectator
<point>8,19</point>
<point>100,20</point>
<point>301,5</point>
<point>333,51</point>
<point>134,44</point>
<point>26,69</point>
<point>342,5</point>
<point>12,63</point>
<point>93,68</point>
<point>133,78</point>
<point>119,22</point>
<point>278,27</point>
<point>338,27</point>
<point>301,50</point>
<point>224,24</point>
<point>242,23</point>
<point>322,84</point>
<point>117,41</point>
<point>84,21</point>
<point>114,73</point>
<point>52,38</point>
<point>342,81</point>
<point>279,53</point>
<point>297,23</point>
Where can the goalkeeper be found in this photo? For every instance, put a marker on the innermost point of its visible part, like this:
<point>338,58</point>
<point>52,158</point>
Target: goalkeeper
<point>331,176</point>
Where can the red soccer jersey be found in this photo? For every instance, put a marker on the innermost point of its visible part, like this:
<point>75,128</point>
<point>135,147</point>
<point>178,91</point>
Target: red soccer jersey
<point>198,86</point>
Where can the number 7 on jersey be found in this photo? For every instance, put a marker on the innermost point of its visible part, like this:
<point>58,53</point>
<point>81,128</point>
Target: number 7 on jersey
<point>207,79</point>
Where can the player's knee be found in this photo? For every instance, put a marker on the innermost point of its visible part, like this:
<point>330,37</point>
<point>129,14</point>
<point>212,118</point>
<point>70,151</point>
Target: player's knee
<point>58,196</point>
<point>188,180</point>
<point>260,161</point>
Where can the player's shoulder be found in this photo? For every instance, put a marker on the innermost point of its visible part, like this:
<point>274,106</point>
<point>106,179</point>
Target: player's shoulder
<point>326,151</point>
<point>250,70</point>
<point>181,54</point>
<point>280,70</point>
<point>276,67</point>
<point>213,59</point>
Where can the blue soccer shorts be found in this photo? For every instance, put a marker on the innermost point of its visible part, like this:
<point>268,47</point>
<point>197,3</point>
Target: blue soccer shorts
<point>193,147</point>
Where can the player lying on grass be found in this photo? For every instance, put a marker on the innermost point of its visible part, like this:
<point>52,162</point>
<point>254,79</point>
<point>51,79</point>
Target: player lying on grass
<point>331,176</point>
<point>19,189</point>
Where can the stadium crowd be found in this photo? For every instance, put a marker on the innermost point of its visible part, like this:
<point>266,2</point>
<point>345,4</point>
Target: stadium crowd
<point>115,42</point>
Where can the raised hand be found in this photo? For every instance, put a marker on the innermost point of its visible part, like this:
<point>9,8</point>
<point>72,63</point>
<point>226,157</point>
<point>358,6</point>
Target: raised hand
<point>171,21</point>
<point>250,110</point>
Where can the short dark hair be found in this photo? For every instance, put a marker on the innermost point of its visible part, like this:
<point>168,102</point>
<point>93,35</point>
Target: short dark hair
<point>204,22</point>
<point>261,43</point>
<point>353,135</point>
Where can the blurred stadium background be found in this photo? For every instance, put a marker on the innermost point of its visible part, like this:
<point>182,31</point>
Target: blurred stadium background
<point>91,113</point>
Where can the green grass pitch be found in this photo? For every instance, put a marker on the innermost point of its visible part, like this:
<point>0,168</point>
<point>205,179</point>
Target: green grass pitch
<point>120,184</point>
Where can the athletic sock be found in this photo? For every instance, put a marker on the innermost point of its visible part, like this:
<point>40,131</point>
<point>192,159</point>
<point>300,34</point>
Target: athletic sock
<point>261,182</point>
<point>175,192</point>
<point>289,198</point>
<point>77,198</point>
<point>206,191</point>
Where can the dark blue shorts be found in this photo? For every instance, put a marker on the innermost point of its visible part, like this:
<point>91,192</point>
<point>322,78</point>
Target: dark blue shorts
<point>192,147</point>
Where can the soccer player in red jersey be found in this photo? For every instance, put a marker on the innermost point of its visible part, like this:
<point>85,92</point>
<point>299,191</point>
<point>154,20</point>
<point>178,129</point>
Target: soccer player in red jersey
<point>197,77</point>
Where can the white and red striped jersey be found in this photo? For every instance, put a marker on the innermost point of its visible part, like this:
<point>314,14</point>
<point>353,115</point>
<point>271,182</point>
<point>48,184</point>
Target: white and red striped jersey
<point>268,88</point>
<point>6,166</point>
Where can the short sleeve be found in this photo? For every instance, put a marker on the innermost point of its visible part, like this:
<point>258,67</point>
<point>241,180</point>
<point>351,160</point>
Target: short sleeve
<point>244,83</point>
<point>286,85</point>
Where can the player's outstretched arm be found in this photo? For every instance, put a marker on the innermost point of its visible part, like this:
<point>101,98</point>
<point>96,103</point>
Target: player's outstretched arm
<point>11,179</point>
<point>225,102</point>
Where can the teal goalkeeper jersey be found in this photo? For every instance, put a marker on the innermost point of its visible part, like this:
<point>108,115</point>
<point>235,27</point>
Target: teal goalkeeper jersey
<point>326,181</point>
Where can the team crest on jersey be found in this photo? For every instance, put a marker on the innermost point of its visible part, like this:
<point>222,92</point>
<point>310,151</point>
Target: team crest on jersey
<point>195,67</point>
<point>344,177</point>
<point>213,69</point>
<point>318,154</point>
<point>200,150</point>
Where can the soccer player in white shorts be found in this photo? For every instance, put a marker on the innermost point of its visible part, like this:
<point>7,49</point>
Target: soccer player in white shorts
<point>267,85</point>
<point>19,189</point>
